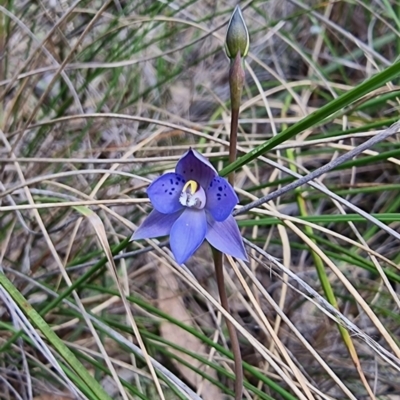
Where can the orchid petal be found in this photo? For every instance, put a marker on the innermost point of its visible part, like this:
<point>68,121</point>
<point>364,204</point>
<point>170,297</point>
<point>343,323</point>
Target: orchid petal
<point>225,237</point>
<point>156,224</point>
<point>188,233</point>
<point>164,193</point>
<point>193,166</point>
<point>221,198</point>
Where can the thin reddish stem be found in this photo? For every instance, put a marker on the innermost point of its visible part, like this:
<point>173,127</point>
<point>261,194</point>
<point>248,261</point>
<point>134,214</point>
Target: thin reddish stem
<point>237,357</point>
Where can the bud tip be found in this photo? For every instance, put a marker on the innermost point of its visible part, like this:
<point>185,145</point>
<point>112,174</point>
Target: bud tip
<point>237,35</point>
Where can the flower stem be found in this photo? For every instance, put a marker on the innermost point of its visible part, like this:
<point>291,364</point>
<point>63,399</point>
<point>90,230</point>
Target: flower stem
<point>237,357</point>
<point>236,81</point>
<point>233,142</point>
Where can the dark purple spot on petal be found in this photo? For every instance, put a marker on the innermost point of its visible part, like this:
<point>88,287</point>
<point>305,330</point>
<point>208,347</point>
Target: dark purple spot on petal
<point>220,190</point>
<point>158,190</point>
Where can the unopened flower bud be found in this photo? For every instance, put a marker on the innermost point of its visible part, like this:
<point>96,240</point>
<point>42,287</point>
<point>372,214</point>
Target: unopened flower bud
<point>237,36</point>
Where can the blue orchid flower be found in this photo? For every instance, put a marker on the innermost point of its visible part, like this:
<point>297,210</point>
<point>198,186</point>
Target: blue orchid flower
<point>191,205</point>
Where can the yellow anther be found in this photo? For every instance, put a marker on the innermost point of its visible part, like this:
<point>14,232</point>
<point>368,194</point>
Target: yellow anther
<point>192,185</point>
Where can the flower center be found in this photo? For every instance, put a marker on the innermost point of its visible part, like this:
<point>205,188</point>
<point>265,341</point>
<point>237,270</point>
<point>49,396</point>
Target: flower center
<point>193,195</point>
